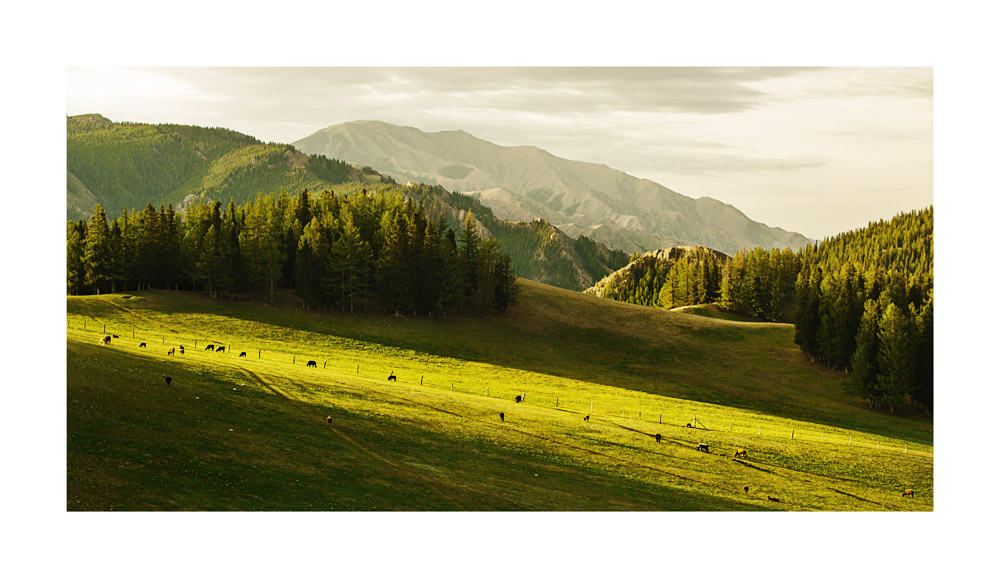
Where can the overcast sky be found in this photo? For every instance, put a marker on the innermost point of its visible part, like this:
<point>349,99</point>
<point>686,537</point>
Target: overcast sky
<point>814,150</point>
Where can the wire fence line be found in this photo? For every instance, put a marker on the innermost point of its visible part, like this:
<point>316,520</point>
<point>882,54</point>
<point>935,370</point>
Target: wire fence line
<point>672,417</point>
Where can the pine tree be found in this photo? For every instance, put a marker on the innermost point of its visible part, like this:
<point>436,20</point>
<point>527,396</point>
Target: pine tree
<point>864,362</point>
<point>75,268</point>
<point>895,356</point>
<point>97,251</point>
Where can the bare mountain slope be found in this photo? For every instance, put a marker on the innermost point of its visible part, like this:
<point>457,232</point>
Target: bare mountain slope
<point>524,182</point>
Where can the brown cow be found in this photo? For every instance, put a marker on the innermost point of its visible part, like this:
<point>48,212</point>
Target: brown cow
<point>329,420</point>
<point>181,347</point>
<point>908,492</point>
<point>740,453</point>
<point>170,351</point>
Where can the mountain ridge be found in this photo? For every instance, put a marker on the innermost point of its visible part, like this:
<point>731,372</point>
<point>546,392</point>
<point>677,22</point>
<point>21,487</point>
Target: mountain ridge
<point>622,211</point>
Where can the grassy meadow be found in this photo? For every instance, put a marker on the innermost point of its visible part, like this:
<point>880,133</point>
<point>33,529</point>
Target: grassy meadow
<point>251,433</point>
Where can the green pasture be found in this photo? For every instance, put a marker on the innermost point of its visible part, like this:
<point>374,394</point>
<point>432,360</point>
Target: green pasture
<point>250,433</point>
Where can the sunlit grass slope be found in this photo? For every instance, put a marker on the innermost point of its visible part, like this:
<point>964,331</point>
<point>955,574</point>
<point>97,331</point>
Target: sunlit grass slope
<point>250,433</point>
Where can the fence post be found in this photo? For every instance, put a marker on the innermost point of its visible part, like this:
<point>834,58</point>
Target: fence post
<point>623,413</point>
<point>592,407</point>
<point>84,324</point>
<point>640,416</point>
<point>758,430</point>
<point>793,434</point>
<point>730,428</point>
<point>557,402</point>
<point>487,391</point>
<point>850,440</point>
<point>258,354</point>
<point>358,370</point>
<point>104,328</point>
<point>133,334</point>
<point>421,379</point>
<point>293,360</point>
<point>659,419</point>
<point>821,437</point>
<point>904,448</point>
<point>324,364</point>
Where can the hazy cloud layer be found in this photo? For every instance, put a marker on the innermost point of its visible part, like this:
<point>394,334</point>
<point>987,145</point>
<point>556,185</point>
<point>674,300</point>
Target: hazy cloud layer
<point>746,136</point>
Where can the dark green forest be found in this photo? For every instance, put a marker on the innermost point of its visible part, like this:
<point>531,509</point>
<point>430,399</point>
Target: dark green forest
<point>357,250</point>
<point>861,301</point>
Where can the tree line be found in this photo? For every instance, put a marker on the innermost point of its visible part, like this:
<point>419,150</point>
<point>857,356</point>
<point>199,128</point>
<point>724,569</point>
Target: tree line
<point>356,250</point>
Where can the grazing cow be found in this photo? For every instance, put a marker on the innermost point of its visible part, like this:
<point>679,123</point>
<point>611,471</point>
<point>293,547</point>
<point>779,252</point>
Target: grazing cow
<point>908,492</point>
<point>688,425</point>
<point>310,364</point>
<point>702,448</point>
<point>657,438</point>
<point>181,347</point>
<point>329,420</point>
<point>392,377</point>
<point>243,354</point>
<point>170,351</point>
<point>105,340</point>
<point>742,453</point>
<point>586,418</point>
<point>115,336</point>
<point>501,416</point>
<point>517,399</point>
<point>210,347</point>
<point>770,499</point>
<point>220,349</point>
<point>168,378</point>
<point>746,489</point>
<point>142,345</point>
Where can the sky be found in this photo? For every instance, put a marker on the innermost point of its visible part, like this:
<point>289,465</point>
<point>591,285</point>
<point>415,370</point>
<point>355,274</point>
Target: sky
<point>816,150</point>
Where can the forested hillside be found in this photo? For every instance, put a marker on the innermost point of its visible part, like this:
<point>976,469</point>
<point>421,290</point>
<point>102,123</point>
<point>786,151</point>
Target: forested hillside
<point>349,250</point>
<point>118,165</point>
<point>132,165</point>
<point>862,301</point>
<point>865,303</point>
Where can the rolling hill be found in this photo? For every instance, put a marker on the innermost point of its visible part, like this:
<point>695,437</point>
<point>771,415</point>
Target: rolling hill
<point>122,164</point>
<point>266,432</point>
<point>525,182</point>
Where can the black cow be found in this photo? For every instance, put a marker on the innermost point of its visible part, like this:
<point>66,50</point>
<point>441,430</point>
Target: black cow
<point>243,354</point>
<point>142,345</point>
<point>392,377</point>
<point>181,347</point>
<point>115,336</point>
<point>210,347</point>
<point>168,378</point>
<point>329,420</point>
<point>105,340</point>
<point>517,399</point>
<point>220,349</point>
<point>657,438</point>
<point>586,418</point>
<point>770,499</point>
<point>501,416</point>
<point>702,448</point>
<point>310,364</point>
<point>746,489</point>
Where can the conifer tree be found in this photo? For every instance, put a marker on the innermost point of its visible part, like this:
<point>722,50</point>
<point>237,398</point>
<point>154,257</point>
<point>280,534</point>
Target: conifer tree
<point>895,356</point>
<point>97,251</point>
<point>864,362</point>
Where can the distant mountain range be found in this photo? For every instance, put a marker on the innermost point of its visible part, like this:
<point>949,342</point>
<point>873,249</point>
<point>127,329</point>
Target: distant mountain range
<point>524,183</point>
